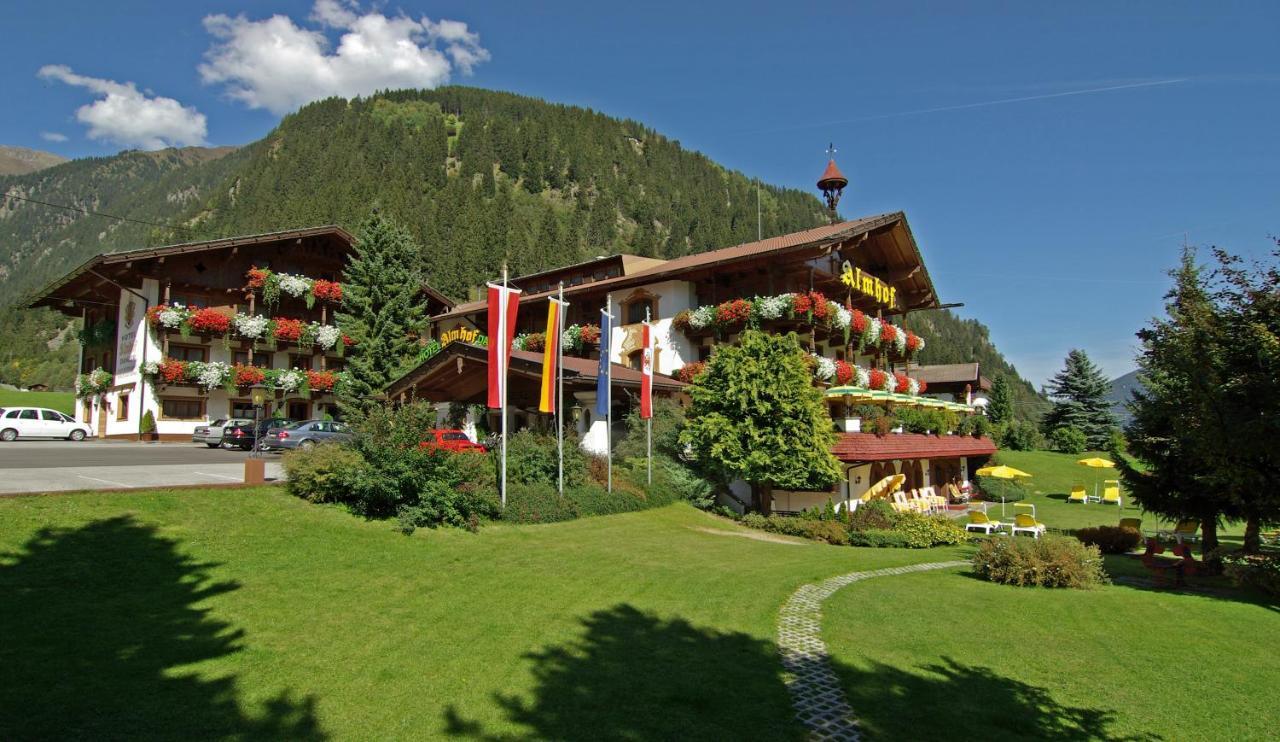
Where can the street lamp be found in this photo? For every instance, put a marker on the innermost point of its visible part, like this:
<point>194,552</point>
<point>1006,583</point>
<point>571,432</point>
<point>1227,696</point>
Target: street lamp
<point>258,394</point>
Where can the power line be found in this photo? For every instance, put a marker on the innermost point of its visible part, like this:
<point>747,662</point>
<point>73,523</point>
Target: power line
<point>97,213</point>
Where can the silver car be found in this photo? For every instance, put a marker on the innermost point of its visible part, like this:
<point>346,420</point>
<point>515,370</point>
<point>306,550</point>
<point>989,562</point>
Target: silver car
<point>211,434</point>
<point>306,434</point>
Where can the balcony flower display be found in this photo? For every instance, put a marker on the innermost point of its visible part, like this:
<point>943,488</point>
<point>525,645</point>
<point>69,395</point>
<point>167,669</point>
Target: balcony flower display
<point>844,372</point>
<point>295,286</point>
<point>702,317</point>
<point>861,377</point>
<point>321,381</point>
<point>248,375</point>
<point>901,384</point>
<point>689,371</point>
<point>733,312</point>
<point>210,321</point>
<point>878,380</point>
<point>914,343</point>
<point>289,379</point>
<point>272,284</point>
<point>252,326</point>
<point>534,342</point>
<point>326,336</point>
<point>577,338</point>
<point>168,316</point>
<point>289,330</point>
<point>330,291</point>
<point>213,375</point>
<point>771,307</point>
<point>824,368</point>
<point>97,381</point>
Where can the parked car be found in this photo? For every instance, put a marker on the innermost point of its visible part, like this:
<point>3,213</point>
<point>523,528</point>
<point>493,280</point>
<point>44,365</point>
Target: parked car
<point>243,434</point>
<point>40,422</point>
<point>451,440</point>
<point>212,434</point>
<point>306,434</point>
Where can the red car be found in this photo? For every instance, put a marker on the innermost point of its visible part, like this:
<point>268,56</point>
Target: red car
<point>451,440</point>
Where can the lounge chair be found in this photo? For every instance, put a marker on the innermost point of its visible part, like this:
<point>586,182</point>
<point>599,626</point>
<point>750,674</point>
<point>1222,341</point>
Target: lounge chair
<point>921,502</point>
<point>979,522</point>
<point>939,502</point>
<point>1111,492</point>
<point>1185,530</point>
<point>900,503</point>
<point>1026,523</point>
<point>1078,494</point>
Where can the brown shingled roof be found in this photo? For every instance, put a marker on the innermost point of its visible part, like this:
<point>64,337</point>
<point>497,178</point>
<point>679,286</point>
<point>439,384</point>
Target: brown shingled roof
<point>857,447</point>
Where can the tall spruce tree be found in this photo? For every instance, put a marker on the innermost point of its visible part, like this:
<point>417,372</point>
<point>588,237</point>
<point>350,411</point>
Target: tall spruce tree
<point>1079,394</point>
<point>1000,404</point>
<point>757,416</point>
<point>381,310</point>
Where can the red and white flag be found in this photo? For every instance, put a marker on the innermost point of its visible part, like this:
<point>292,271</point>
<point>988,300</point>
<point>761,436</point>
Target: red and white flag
<point>646,371</point>
<point>503,304</point>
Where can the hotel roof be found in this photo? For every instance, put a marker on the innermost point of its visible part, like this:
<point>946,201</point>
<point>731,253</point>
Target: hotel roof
<point>859,447</point>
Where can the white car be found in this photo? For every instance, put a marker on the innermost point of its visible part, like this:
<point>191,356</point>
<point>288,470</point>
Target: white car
<point>40,422</point>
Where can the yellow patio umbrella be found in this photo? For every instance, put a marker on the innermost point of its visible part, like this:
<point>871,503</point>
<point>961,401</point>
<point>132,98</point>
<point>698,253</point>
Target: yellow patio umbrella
<point>884,487</point>
<point>1096,463</point>
<point>1001,472</point>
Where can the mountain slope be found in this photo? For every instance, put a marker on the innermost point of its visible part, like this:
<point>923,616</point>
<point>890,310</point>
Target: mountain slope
<point>477,176</point>
<point>1122,390</point>
<point>20,160</point>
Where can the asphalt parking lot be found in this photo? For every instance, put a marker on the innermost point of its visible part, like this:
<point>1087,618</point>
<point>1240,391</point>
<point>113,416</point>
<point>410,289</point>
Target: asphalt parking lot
<point>60,466</point>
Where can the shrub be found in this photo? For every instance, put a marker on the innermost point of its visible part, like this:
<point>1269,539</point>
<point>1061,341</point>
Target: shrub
<point>1110,539</point>
<point>323,473</point>
<point>923,531</point>
<point>536,503</point>
<point>1068,439</point>
<point>878,538</point>
<point>532,458</point>
<point>1020,435</point>
<point>994,489</point>
<point>1049,561</point>
<point>974,425</point>
<point>1261,571</point>
<point>831,532</point>
<point>873,515</point>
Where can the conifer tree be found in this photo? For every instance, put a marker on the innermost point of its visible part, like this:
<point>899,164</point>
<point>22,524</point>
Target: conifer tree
<point>757,416</point>
<point>1079,394</point>
<point>1000,404</point>
<point>381,310</point>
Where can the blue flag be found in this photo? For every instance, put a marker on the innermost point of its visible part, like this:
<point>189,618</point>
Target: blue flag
<point>602,376</point>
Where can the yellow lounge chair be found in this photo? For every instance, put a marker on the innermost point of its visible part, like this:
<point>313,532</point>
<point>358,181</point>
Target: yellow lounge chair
<point>900,503</point>
<point>1111,492</point>
<point>978,521</point>
<point>1078,494</point>
<point>939,502</point>
<point>1027,523</point>
<point>1185,530</point>
<point>920,502</point>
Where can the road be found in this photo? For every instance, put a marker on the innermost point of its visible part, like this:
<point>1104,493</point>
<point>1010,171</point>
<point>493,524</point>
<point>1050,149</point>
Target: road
<point>47,466</point>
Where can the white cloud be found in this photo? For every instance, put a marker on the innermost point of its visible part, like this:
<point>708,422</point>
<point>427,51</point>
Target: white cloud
<point>53,136</point>
<point>278,65</point>
<point>127,116</point>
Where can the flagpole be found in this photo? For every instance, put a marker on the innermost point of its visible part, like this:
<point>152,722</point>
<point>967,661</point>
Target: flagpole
<point>560,384</point>
<point>506,351</point>
<point>649,420</point>
<point>608,394</point>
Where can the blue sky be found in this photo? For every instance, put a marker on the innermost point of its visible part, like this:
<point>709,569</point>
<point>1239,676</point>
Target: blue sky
<point>1052,218</point>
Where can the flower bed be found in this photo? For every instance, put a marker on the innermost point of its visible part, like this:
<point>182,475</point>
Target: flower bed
<point>811,307</point>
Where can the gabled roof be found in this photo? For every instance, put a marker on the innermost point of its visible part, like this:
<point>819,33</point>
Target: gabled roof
<point>953,374</point>
<point>859,447</point>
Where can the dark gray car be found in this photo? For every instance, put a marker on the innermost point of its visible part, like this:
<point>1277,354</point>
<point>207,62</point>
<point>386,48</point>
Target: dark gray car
<point>306,434</point>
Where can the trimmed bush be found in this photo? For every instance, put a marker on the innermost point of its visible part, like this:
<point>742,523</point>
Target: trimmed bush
<point>148,423</point>
<point>923,531</point>
<point>829,531</point>
<point>322,473</point>
<point>536,503</point>
<point>1067,439</point>
<point>993,489</point>
<point>532,458</point>
<point>1110,539</point>
<point>873,515</point>
<point>1049,561</point>
<point>879,538</point>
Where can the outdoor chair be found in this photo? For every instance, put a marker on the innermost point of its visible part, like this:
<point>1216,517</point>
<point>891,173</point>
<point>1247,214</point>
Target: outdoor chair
<point>1078,494</point>
<point>921,503</point>
<point>1025,523</point>
<point>899,503</point>
<point>979,522</point>
<point>939,502</point>
<point>1185,530</point>
<point>1111,492</point>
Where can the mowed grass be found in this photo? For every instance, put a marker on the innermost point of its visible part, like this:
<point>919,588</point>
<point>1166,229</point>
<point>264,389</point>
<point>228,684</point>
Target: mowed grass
<point>61,401</point>
<point>948,656</point>
<point>250,614</point>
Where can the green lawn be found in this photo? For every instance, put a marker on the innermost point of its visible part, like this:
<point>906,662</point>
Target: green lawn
<point>948,656</point>
<point>61,401</point>
<point>250,613</point>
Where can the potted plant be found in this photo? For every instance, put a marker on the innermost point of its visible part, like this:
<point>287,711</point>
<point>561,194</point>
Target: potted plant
<point>148,428</point>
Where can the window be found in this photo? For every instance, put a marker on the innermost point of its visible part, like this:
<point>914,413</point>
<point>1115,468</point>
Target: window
<point>261,360</point>
<point>106,362</point>
<point>27,415</point>
<point>188,353</point>
<point>51,416</point>
<point>300,361</point>
<point>637,310</point>
<point>182,409</point>
<point>242,408</point>
<point>335,364</point>
<point>122,407</point>
<point>13,414</point>
<point>299,410</point>
<point>636,359</point>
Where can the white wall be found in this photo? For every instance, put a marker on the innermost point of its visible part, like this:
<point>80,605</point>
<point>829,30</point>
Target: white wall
<point>674,349</point>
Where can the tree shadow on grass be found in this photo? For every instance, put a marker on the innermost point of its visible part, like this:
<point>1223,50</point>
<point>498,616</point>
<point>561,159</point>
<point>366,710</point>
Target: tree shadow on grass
<point>949,700</point>
<point>636,676</point>
<point>96,624</point>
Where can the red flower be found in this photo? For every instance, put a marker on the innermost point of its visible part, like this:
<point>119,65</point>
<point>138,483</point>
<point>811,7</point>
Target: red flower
<point>801,303</point>
<point>210,321</point>
<point>859,322</point>
<point>689,371</point>
<point>821,308</point>
<point>733,312</point>
<point>844,372</point>
<point>288,329</point>
<point>877,378</point>
<point>535,342</point>
<point>590,335</point>
<point>248,375</point>
<point>257,277</point>
<point>330,291</point>
<point>913,342</point>
<point>888,333</point>
<point>347,340</point>
<point>173,371</point>
<point>153,314</point>
<point>321,381</point>
<point>901,384</point>
<point>923,386</point>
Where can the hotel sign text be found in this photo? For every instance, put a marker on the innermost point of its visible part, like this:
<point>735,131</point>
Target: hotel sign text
<point>465,334</point>
<point>868,285</point>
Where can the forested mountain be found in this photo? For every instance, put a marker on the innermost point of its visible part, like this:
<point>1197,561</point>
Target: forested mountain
<point>477,176</point>
<point>19,160</point>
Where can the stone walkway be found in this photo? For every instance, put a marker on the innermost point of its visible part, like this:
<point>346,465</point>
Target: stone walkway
<point>815,691</point>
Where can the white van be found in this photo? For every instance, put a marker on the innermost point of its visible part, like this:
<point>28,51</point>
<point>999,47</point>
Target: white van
<point>39,422</point>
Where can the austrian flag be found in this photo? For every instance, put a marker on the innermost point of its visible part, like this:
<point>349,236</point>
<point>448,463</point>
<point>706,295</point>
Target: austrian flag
<point>646,370</point>
<point>503,304</point>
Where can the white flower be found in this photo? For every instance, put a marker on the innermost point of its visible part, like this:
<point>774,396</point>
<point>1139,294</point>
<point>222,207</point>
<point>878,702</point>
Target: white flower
<point>173,316</point>
<point>844,317</point>
<point>213,375</point>
<point>290,380</point>
<point>294,286</point>
<point>862,378</point>
<point>826,368</point>
<point>327,336</point>
<point>900,341</point>
<point>771,307</point>
<point>919,343</point>
<point>517,342</point>
<point>873,331</point>
<point>252,326</point>
<point>913,387</point>
<point>702,317</point>
<point>151,368</point>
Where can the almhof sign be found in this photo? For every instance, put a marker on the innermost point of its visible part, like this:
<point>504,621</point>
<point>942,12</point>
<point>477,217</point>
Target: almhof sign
<point>868,285</point>
<point>465,334</point>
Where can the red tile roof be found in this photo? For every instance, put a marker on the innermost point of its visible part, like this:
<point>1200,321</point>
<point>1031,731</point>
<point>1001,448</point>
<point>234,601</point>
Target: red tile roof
<point>870,447</point>
<point>832,173</point>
